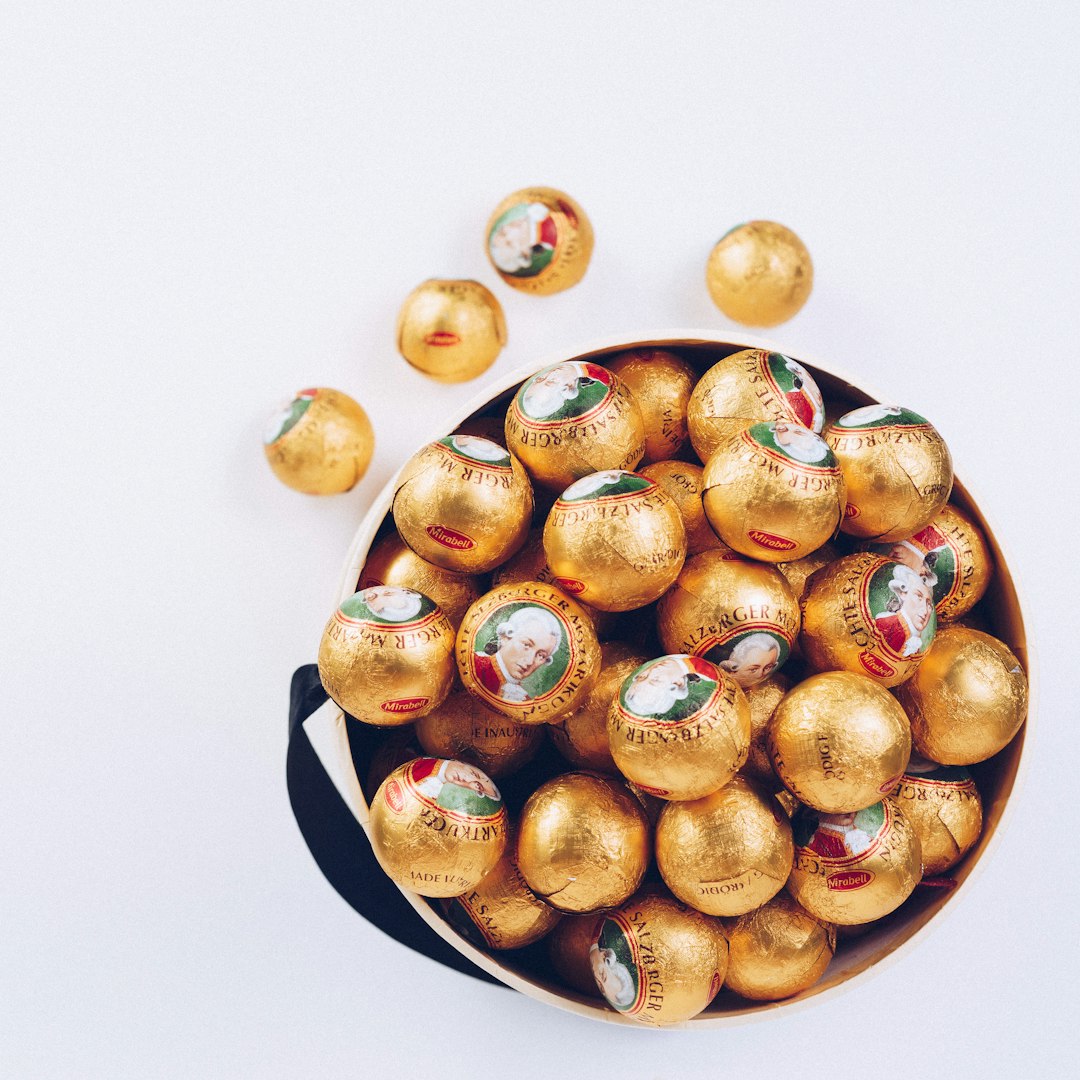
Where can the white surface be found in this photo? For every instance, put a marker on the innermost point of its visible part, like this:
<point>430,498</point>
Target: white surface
<point>206,206</point>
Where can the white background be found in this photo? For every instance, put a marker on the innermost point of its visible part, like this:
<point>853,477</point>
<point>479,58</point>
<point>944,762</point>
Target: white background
<point>205,206</point>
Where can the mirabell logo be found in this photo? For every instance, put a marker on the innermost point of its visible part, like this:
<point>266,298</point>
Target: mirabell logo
<point>571,585</point>
<point>395,797</point>
<point>771,540</point>
<point>876,666</point>
<point>851,510</point>
<point>849,880</point>
<point>450,538</point>
<point>405,704</point>
<point>442,338</point>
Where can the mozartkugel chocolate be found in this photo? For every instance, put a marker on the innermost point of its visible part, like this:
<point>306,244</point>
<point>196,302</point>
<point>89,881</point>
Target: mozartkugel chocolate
<point>661,383</point>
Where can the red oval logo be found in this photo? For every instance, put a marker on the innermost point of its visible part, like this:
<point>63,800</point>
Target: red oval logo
<point>876,666</point>
<point>771,540</point>
<point>395,797</point>
<point>571,585</point>
<point>849,880</point>
<point>442,338</point>
<point>714,985</point>
<point>890,784</point>
<point>405,704</point>
<point>851,510</point>
<point>450,538</point>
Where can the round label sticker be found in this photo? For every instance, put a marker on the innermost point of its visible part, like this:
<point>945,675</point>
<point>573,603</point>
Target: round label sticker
<point>388,605</point>
<point>288,416</point>
<point>523,240</point>
<point>670,690</point>
<point>899,604</point>
<point>523,651</point>
<point>879,416</point>
<point>932,556</point>
<point>749,653</point>
<point>792,445</point>
<point>796,387</point>
<point>605,485</point>
<point>841,838</point>
<point>476,450</point>
<point>461,791</point>
<point>616,965</point>
<point>569,391</point>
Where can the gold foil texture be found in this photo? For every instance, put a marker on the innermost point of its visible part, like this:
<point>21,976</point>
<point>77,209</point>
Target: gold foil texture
<point>661,383</point>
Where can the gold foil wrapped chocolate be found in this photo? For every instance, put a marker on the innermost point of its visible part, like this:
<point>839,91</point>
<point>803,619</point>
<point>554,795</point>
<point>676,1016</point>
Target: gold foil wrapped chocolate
<point>502,912</point>
<point>945,810</point>
<point>530,564</point>
<point>321,443</point>
<point>763,699</point>
<point>539,241</point>
<point>463,503</point>
<point>968,699</point>
<point>528,651</point>
<point>728,852</point>
<point>463,727</point>
<point>661,383</point>
<point>583,842</point>
<point>387,655</point>
<point>855,867</point>
<point>572,419</point>
<point>451,330</point>
<point>839,741</point>
<point>392,562</point>
<point>679,727</point>
<point>739,614</point>
<point>684,483</point>
<point>798,572</point>
<point>581,736</point>
<point>866,614</point>
<point>759,273</point>
<point>568,948</point>
<point>657,961</point>
<point>615,539</point>
<point>774,491</point>
<point>747,386</point>
<point>897,469</point>
<point>438,827</point>
<point>778,950</point>
<point>953,558</point>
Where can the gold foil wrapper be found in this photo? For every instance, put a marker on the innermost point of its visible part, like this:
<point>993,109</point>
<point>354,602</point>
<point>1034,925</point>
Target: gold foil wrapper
<point>868,615</point>
<point>392,562</point>
<point>397,746</point>
<point>750,385</point>
<point>616,539</point>
<point>759,273</point>
<point>661,383</point>
<point>856,867</point>
<point>387,656</point>
<point>763,699</point>
<point>727,853</point>
<point>451,330</point>
<point>463,727</point>
<point>321,443</point>
<point>539,241</point>
<point>583,842</point>
<point>528,651</point>
<point>774,491</point>
<point>778,950</point>
<point>463,503</point>
<point>581,736</point>
<point>530,564</point>
<point>952,555</point>
<point>684,483</point>
<point>679,727</point>
<point>657,961</point>
<point>438,827</point>
<point>740,615</point>
<point>568,949</point>
<point>968,699</point>
<point>943,805</point>
<point>897,469</point>
<point>798,572</point>
<point>572,419</point>
<point>839,741</point>
<point>502,912</point>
